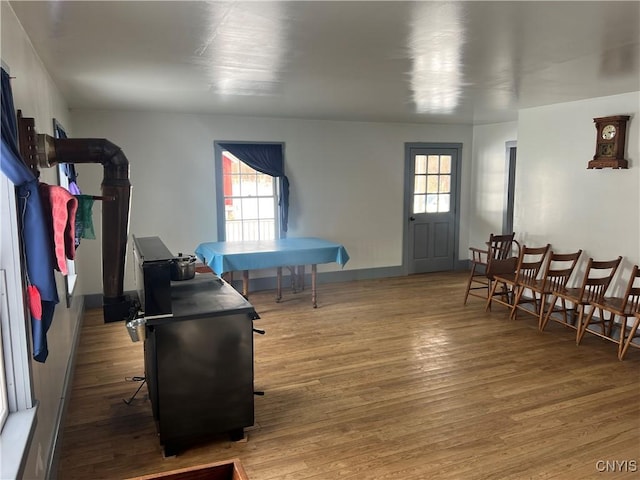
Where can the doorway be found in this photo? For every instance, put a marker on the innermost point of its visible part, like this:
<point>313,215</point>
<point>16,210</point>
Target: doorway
<point>431,210</point>
<point>510,187</point>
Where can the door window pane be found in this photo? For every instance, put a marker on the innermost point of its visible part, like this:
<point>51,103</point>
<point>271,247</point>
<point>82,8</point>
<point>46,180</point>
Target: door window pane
<point>434,164</point>
<point>443,202</point>
<point>432,203</point>
<point>420,184</point>
<point>419,203</point>
<point>445,184</point>
<point>432,184</point>
<point>445,164</point>
<point>421,164</point>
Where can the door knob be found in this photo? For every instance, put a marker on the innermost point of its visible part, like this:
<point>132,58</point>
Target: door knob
<point>412,219</point>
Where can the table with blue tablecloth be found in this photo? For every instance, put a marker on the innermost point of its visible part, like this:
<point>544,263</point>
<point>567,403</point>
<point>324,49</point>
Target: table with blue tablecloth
<point>227,257</point>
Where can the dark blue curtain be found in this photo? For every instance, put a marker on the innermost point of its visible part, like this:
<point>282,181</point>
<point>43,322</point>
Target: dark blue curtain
<point>267,159</point>
<point>34,240</point>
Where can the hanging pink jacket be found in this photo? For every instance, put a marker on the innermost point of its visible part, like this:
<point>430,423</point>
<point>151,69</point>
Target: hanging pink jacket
<point>60,208</point>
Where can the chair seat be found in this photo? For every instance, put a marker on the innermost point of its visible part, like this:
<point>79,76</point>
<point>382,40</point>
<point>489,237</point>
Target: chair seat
<point>614,305</point>
<point>509,278</point>
<point>569,294</point>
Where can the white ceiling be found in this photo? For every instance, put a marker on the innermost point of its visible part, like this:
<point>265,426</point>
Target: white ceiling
<point>446,62</point>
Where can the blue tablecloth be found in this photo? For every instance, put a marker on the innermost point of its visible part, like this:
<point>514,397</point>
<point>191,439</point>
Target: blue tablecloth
<point>224,257</point>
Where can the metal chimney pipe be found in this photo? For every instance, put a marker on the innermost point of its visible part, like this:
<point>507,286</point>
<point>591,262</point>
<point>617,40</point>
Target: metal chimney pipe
<point>115,212</point>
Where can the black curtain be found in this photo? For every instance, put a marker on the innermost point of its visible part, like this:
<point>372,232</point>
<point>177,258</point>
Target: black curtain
<point>34,238</point>
<point>267,159</point>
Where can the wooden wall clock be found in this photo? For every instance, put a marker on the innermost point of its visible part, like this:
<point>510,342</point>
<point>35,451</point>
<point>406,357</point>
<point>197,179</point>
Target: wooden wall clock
<point>611,135</point>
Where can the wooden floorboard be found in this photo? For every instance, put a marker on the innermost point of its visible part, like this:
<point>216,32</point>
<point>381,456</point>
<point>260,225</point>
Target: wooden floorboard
<point>386,379</point>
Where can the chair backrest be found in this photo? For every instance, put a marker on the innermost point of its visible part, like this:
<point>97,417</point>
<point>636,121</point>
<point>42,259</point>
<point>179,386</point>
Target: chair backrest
<point>558,269</point>
<point>597,278</point>
<point>501,246</point>
<point>631,299</point>
<point>503,255</point>
<point>530,262</point>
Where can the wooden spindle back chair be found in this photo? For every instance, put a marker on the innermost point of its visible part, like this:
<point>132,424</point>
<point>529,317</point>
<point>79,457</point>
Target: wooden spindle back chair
<point>597,278</point>
<point>621,308</point>
<point>556,273</point>
<point>498,257</point>
<point>529,264</point>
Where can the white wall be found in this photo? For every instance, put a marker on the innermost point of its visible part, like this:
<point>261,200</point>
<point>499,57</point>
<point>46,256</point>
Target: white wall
<point>38,97</point>
<point>347,179</point>
<point>488,180</point>
<point>559,200</point>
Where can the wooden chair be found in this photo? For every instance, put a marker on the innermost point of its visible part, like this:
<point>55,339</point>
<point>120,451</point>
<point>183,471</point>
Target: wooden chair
<point>595,282</point>
<point>624,307</point>
<point>633,333</point>
<point>498,257</point>
<point>529,264</point>
<point>555,275</point>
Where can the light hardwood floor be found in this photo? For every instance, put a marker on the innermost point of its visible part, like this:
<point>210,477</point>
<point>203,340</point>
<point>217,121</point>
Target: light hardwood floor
<point>386,379</point>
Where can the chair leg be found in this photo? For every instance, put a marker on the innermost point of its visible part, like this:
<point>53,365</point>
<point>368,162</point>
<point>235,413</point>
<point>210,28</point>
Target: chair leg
<point>492,291</point>
<point>516,300</point>
<point>543,303</point>
<point>471,275</point>
<point>629,338</point>
<point>545,318</point>
<point>580,320</point>
<point>585,324</point>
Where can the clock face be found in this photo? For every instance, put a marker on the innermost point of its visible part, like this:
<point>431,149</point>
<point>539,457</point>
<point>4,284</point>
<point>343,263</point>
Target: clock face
<point>608,132</point>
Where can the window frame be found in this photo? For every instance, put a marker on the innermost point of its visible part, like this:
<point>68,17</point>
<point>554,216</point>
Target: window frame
<point>220,197</point>
<point>19,426</point>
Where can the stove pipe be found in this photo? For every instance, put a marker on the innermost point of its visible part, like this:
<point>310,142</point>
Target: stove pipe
<point>116,190</point>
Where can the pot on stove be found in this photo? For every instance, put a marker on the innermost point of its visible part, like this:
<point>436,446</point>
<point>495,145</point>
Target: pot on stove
<point>183,267</point>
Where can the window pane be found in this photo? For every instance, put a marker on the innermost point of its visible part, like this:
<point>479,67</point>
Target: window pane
<point>233,209</point>
<point>249,185</point>
<point>235,185</point>
<point>244,168</point>
<point>234,231</point>
<point>433,164</point>
<point>230,164</point>
<point>445,183</point>
<point>443,202</point>
<point>265,185</point>
<point>250,230</point>
<point>420,184</point>
<point>432,184</point>
<point>445,164</point>
<point>421,164</point>
<point>249,208</point>
<point>432,203</point>
<point>267,229</point>
<point>266,208</point>
<point>419,203</point>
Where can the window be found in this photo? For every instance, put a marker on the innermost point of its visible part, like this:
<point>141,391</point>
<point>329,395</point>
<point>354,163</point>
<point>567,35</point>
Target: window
<point>432,189</point>
<point>250,201</point>
<point>252,191</point>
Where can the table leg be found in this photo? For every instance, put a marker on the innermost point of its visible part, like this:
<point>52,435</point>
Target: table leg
<point>245,283</point>
<point>279,284</point>
<point>292,277</point>
<point>314,271</point>
<point>301,277</point>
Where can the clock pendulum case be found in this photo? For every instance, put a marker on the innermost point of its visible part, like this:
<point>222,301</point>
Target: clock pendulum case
<point>611,133</point>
